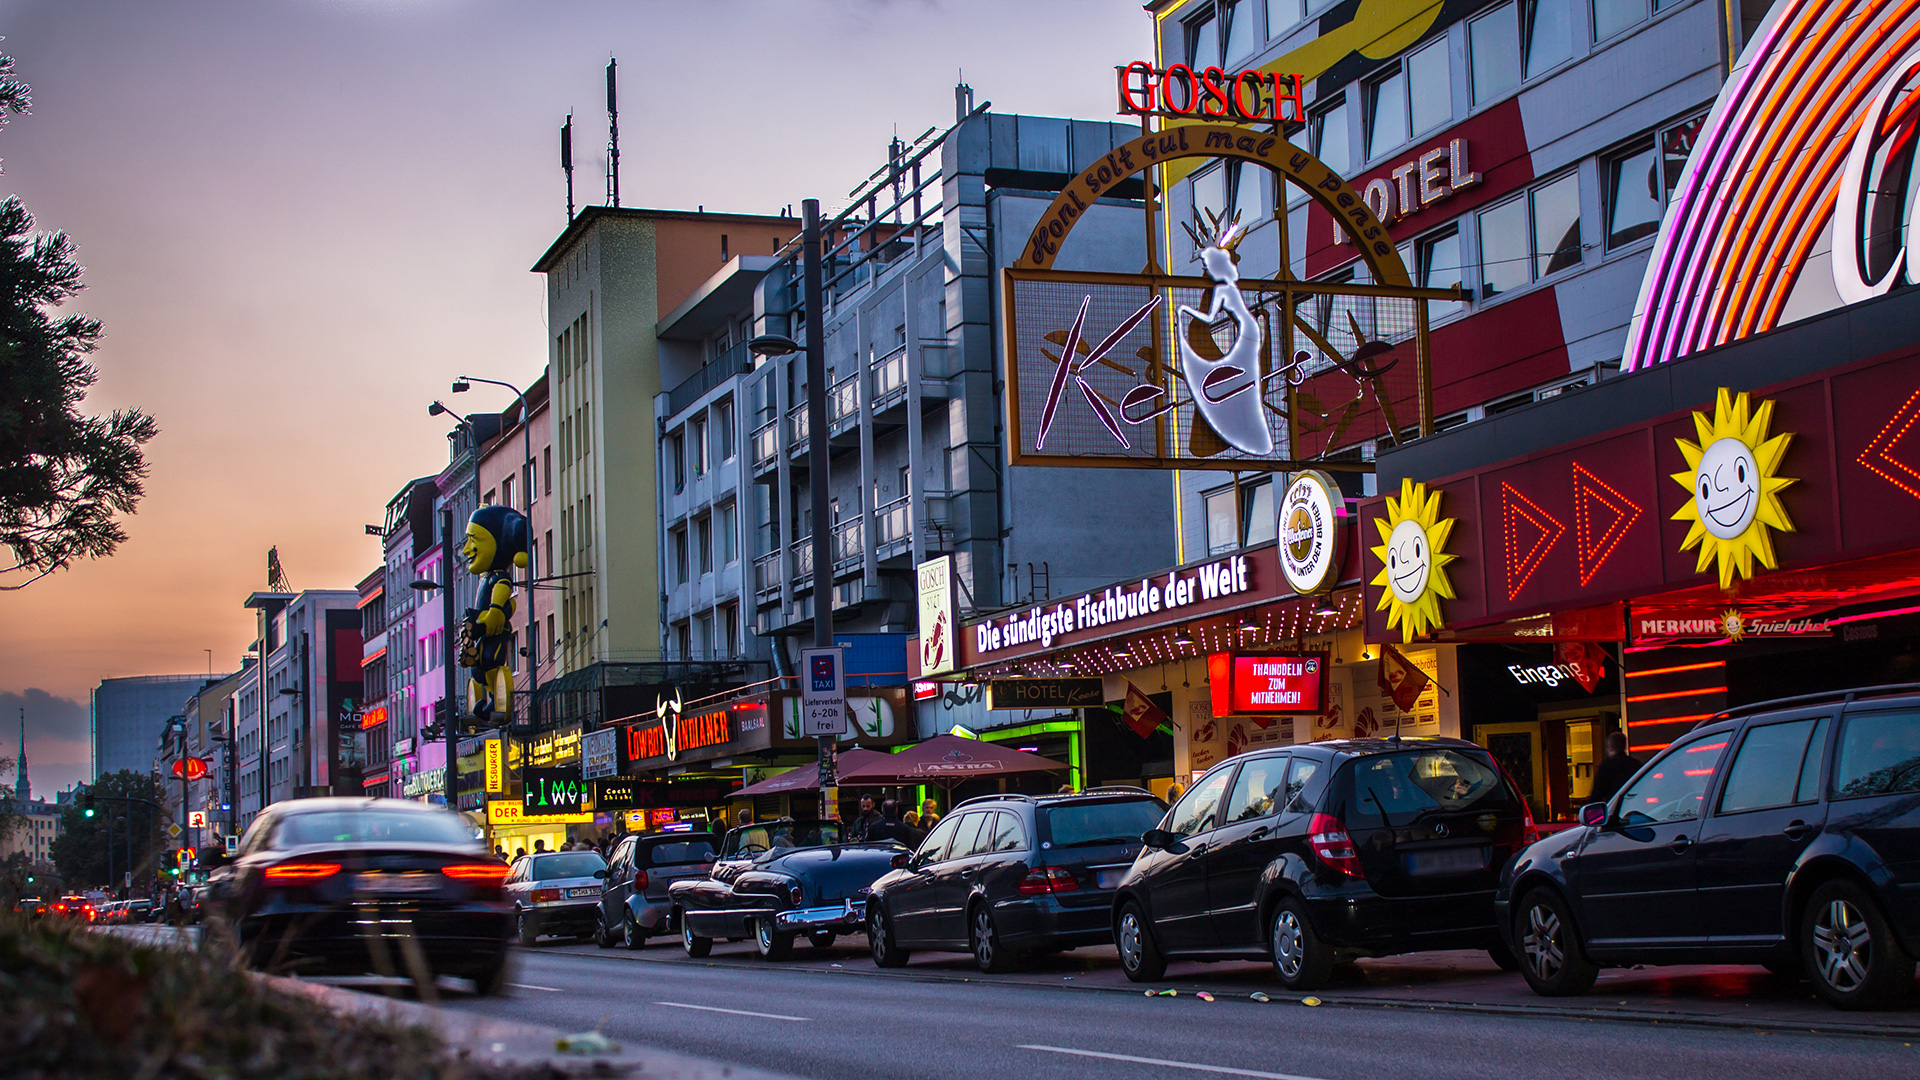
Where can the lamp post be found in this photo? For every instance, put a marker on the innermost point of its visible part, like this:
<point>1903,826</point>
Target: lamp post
<point>532,651</point>
<point>777,345</point>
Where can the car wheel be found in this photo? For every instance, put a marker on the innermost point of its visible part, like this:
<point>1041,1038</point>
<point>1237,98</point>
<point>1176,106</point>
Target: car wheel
<point>524,926</point>
<point>490,980</point>
<point>1139,955</point>
<point>886,951</point>
<point>770,942</point>
<point>822,939</point>
<point>988,952</point>
<point>1299,957</point>
<point>1552,956</point>
<point>695,945</point>
<point>631,936</point>
<point>1850,951</point>
<point>601,936</point>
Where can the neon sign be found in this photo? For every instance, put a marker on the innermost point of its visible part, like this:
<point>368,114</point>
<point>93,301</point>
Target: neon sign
<point>1265,684</point>
<point>1527,545</point>
<point>1210,93</point>
<point>1122,603</point>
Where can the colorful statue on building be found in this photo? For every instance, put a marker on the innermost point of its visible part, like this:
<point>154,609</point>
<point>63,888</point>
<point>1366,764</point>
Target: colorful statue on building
<point>497,541</point>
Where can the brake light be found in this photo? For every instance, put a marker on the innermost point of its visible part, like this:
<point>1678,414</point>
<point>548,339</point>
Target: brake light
<point>59,907</point>
<point>478,873</point>
<point>639,880</point>
<point>797,894</point>
<point>1529,832</point>
<point>300,873</point>
<point>1327,835</point>
<point>541,896</point>
<point>1045,880</point>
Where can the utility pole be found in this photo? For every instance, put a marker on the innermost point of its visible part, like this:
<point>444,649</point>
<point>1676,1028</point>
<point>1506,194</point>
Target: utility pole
<point>817,461</point>
<point>449,551</point>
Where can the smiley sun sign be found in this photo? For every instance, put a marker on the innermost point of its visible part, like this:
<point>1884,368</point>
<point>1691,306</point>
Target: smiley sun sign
<point>1413,561</point>
<point>1731,476</point>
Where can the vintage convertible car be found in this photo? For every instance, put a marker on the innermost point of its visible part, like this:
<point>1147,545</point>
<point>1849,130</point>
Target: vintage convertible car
<point>776,880</point>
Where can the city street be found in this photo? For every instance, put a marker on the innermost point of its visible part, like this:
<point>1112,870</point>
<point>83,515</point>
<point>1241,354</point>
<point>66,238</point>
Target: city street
<point>831,1013</point>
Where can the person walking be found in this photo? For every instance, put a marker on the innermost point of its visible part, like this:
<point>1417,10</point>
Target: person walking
<point>1615,769</point>
<point>869,817</point>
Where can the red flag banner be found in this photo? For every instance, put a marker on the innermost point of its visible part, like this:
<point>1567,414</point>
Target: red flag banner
<point>1586,660</point>
<point>1142,715</point>
<point>1399,679</point>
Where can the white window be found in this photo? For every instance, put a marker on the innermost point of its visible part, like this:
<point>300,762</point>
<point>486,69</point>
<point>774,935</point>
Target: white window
<point>1612,16</point>
<point>1640,179</point>
<point>1530,236</point>
<point>1437,265</point>
<point>1243,30</point>
<point>1549,33</point>
<point>1228,189</point>
<point>1223,521</point>
<point>1493,51</point>
<point>1330,141</point>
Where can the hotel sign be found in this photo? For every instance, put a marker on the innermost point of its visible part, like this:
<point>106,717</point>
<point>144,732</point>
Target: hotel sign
<point>1045,693</point>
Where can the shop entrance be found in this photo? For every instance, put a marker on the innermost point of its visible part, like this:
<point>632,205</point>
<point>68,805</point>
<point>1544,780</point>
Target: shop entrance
<point>1540,723</point>
<point>1550,759</point>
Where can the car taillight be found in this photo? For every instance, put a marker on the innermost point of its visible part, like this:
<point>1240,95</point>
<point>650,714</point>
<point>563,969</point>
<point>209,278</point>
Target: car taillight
<point>300,873</point>
<point>1327,835</point>
<point>797,894</point>
<point>478,873</point>
<point>59,907</point>
<point>1043,880</point>
<point>1529,832</point>
<point>541,896</point>
<point>639,880</point>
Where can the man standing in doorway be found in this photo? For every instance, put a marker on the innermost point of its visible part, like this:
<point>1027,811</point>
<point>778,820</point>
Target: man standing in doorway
<point>1615,769</point>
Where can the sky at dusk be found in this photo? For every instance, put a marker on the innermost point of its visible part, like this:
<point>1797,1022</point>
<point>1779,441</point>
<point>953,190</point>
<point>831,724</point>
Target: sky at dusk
<point>300,220</point>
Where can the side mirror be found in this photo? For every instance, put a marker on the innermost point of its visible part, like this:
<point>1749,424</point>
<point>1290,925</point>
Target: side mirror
<point>901,859</point>
<point>1594,814</point>
<point>707,858</point>
<point>601,874</point>
<point>1158,838</point>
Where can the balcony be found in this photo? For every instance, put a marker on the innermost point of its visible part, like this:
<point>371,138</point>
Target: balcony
<point>766,445</point>
<point>735,361</point>
<point>766,577</point>
<point>797,429</point>
<point>893,524</point>
<point>849,548</point>
<point>843,403</point>
<point>802,551</point>
<point>890,381</point>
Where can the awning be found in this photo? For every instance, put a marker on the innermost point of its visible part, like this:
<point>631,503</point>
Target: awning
<point>947,759</point>
<point>807,777</point>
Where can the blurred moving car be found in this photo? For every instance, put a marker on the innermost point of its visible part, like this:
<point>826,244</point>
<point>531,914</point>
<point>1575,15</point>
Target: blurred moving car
<point>1785,834</point>
<point>31,906</point>
<point>139,911</point>
<point>555,893</point>
<point>370,886</point>
<point>635,904</point>
<point>72,906</point>
<point>1004,876</point>
<point>776,880</point>
<point>1324,852</point>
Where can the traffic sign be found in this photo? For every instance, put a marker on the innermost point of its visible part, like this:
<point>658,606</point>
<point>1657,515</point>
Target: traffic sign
<point>823,692</point>
<point>196,819</point>
<point>174,830</point>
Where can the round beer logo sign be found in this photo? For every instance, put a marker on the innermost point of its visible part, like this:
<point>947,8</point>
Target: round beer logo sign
<point>1312,516</point>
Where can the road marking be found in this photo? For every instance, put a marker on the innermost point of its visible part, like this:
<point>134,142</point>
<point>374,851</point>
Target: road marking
<point>1226,1070</point>
<point>730,1012</point>
<point>530,986</point>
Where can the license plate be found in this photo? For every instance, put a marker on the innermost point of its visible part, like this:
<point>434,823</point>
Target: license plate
<point>574,894</point>
<point>1109,879</point>
<point>1447,861</point>
<point>395,883</point>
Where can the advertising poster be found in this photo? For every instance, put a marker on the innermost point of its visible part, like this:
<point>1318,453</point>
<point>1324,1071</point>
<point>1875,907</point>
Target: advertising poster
<point>1374,712</point>
<point>939,650</point>
<point>599,753</point>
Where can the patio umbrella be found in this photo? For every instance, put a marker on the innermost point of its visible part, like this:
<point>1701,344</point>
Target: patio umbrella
<point>807,777</point>
<point>946,760</point>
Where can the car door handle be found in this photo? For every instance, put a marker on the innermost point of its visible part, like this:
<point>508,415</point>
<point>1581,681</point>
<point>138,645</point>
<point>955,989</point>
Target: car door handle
<point>1258,833</point>
<point>1681,843</point>
<point>1797,829</point>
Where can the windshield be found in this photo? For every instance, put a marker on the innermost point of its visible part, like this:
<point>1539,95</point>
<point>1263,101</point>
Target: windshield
<point>567,864</point>
<point>753,839</point>
<point>679,851</point>
<point>1398,789</point>
<point>373,827</point>
<point>1102,822</point>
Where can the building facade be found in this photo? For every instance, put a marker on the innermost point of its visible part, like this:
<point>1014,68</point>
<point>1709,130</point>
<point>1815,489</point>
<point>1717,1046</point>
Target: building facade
<point>289,704</point>
<point>407,533</point>
<point>126,718</point>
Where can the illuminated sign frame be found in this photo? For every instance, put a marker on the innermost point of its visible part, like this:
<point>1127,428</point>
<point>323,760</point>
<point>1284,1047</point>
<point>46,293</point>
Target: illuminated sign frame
<point>1233,682</point>
<point>1210,93</point>
<point>1312,526</point>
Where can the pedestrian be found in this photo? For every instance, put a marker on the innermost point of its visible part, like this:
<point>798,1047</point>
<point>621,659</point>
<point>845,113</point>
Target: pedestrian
<point>869,816</point>
<point>1174,791</point>
<point>1615,769</point>
<point>911,818</point>
<point>539,846</point>
<point>746,817</point>
<point>499,851</point>
<point>519,853</point>
<point>929,814</point>
<point>890,827</point>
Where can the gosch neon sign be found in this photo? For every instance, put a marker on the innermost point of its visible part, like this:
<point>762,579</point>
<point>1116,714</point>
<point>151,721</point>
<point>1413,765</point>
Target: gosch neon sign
<point>1209,94</point>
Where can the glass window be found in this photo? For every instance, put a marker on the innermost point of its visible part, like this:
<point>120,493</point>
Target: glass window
<point>1493,50</point>
<point>1429,88</point>
<point>1676,145</point>
<point>935,845</point>
<point>1808,789</point>
<point>1299,773</point>
<point>679,852</point>
<point>1395,790</point>
<point>699,448</point>
<point>1194,812</point>
<point>1633,195</point>
<point>1504,256</point>
<point>1612,16</point>
<point>1330,142</point>
<point>1878,754</point>
<point>1672,788</point>
<point>1007,833</point>
<point>1766,768</point>
<point>1386,114</point>
<point>1210,193</point>
<point>1222,522</point>
<point>1437,266</point>
<point>1282,15</point>
<point>1244,178</point>
<point>1549,34</point>
<point>567,864</point>
<point>1086,824</point>
<point>967,840</point>
<point>1257,522</point>
<point>1259,790</point>
<point>1203,43</point>
<point>1243,34</point>
<point>703,543</point>
<point>723,418</point>
<point>730,533</point>
<point>372,827</point>
<point>1556,225</point>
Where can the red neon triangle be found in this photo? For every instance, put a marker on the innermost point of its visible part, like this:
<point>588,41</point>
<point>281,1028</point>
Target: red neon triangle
<point>1591,492</point>
<point>1878,456</point>
<point>1546,531</point>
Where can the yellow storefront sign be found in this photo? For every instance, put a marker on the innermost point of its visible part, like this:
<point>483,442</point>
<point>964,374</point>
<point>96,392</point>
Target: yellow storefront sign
<point>506,812</point>
<point>495,768</point>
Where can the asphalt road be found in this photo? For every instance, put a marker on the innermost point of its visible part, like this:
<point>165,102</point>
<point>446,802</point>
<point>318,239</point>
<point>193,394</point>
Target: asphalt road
<point>854,1021</point>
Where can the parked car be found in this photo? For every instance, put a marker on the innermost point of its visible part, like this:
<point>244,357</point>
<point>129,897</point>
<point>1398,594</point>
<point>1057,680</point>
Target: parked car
<point>1785,834</point>
<point>334,885</point>
<point>635,905</point>
<point>776,880</point>
<point>1003,876</point>
<point>555,893</point>
<point>1321,853</point>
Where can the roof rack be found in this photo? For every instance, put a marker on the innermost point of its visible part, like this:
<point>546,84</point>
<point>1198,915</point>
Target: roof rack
<point>1000,795</point>
<point>1840,696</point>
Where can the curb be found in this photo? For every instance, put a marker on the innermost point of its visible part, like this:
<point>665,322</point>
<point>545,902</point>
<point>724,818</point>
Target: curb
<point>1547,1012</point>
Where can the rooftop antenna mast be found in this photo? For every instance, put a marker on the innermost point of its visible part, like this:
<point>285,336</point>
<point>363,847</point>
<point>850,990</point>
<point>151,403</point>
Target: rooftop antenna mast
<point>613,137</point>
<point>276,577</point>
<point>566,160</point>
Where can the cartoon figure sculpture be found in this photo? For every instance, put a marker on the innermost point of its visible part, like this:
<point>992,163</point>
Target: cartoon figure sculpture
<point>1220,383</point>
<point>497,540</point>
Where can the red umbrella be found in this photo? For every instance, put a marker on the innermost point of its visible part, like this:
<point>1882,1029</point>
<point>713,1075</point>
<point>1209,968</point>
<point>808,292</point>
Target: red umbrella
<point>946,759</point>
<point>807,777</point>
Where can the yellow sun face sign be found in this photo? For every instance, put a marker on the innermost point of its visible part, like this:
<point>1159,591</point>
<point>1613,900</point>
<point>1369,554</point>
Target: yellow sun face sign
<point>1731,474</point>
<point>1413,577</point>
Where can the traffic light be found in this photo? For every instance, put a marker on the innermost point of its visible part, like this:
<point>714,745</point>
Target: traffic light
<point>86,804</point>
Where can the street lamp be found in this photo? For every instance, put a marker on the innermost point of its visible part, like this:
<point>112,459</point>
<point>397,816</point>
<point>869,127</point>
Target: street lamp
<point>446,662</point>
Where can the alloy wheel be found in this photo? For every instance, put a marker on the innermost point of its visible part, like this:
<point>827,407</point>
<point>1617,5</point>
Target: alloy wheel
<point>1289,950</point>
<point>1842,945</point>
<point>1130,940</point>
<point>877,936</point>
<point>983,938</point>
<point>1542,942</point>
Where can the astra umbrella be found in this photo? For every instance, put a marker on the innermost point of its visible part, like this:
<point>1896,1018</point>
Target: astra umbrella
<point>807,777</point>
<point>946,760</point>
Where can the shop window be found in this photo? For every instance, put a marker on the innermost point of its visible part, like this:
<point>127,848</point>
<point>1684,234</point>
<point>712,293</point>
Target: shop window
<point>1330,142</point>
<point>1556,225</point>
<point>1672,788</point>
<point>1284,15</point>
<point>1493,52</point>
<point>1612,16</point>
<point>1243,32</point>
<point>1222,522</point>
<point>1766,770</point>
<point>1437,265</point>
<point>1257,523</point>
<point>1549,30</point>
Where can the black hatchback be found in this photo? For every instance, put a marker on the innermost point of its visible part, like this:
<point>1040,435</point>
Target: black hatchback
<point>1006,876</point>
<point>1785,834</point>
<point>1322,853</point>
